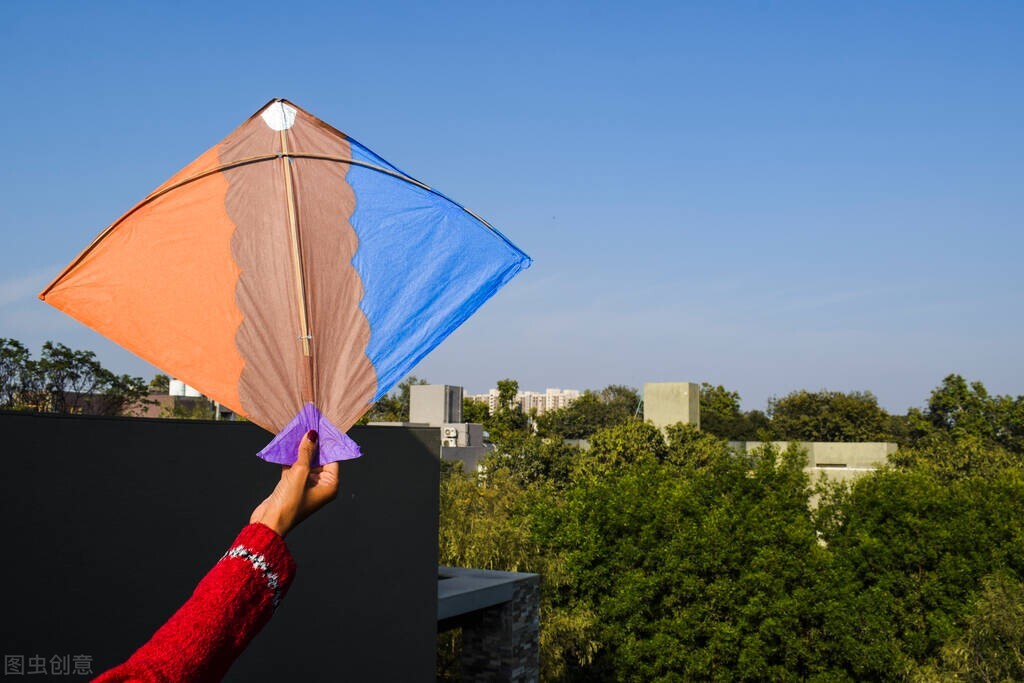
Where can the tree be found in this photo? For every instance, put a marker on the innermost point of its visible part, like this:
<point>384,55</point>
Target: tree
<point>531,459</point>
<point>160,384</point>
<point>828,416</point>
<point>720,415</point>
<point>474,411</point>
<point>69,378</point>
<point>911,548</point>
<point>16,369</point>
<point>954,456</point>
<point>591,412</point>
<point>508,389</point>
<point>623,402</point>
<point>963,431</point>
<point>680,559</point>
<point>64,380</point>
<point>689,573</point>
<point>508,426</point>
<point>959,408</point>
<point>621,445</point>
<point>481,521</point>
<point>586,415</point>
<point>124,395</point>
<point>691,447</point>
<point>70,381</point>
<point>991,647</point>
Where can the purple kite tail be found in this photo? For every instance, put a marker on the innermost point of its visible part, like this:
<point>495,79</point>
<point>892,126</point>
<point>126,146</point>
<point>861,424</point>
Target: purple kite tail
<point>334,443</point>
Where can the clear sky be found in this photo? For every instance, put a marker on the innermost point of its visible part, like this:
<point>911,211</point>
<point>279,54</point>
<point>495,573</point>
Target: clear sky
<point>769,196</point>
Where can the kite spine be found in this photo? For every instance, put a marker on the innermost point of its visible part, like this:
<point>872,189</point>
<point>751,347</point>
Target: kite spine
<point>300,280</point>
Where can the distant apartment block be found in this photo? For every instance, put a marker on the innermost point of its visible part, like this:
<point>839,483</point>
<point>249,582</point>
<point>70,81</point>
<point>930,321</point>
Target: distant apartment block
<point>550,399</point>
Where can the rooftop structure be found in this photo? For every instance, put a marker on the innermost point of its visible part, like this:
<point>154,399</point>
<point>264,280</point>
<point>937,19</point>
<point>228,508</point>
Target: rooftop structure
<point>440,405</point>
<point>668,403</point>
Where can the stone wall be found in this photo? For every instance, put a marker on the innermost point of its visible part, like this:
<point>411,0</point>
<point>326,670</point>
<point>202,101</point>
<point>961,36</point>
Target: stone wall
<point>502,643</point>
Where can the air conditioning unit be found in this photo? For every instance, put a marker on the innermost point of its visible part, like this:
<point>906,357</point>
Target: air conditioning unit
<point>450,443</point>
<point>450,432</point>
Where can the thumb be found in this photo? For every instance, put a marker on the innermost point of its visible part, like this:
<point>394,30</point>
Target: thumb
<point>307,450</point>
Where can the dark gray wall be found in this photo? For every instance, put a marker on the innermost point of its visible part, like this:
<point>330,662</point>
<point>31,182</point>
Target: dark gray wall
<point>111,522</point>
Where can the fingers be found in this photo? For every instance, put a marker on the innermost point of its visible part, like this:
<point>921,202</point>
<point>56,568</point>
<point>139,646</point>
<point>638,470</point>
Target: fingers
<point>307,449</point>
<point>331,479</point>
<point>323,478</point>
<point>294,477</point>
<point>323,488</point>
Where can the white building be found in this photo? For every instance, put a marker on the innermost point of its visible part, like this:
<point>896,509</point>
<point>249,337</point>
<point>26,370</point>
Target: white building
<point>551,399</point>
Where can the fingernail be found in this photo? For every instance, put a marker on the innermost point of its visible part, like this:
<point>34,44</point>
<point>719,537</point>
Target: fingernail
<point>312,435</point>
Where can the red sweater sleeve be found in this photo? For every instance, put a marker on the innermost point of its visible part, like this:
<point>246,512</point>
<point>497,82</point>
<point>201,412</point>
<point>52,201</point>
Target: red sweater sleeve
<point>229,606</point>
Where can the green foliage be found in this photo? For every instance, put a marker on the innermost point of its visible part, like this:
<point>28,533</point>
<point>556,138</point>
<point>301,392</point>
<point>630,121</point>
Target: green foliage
<point>623,401</point>
<point>485,523</point>
<point>481,522</point>
<point>64,380</point>
<point>671,557</point>
<point>474,411</point>
<point>964,431</point>
<point>615,404</point>
<point>828,416</point>
<point>16,370</point>
<point>125,395</point>
<point>991,647</point>
<point>508,426</point>
<point>911,547</point>
<point>621,445</point>
<point>720,415</point>
<point>529,459</point>
<point>75,382</point>
<point>953,456</point>
<point>507,390</point>
<point>188,408</point>
<point>959,406</point>
<point>160,384</point>
<point>693,573</point>
<point>692,447</point>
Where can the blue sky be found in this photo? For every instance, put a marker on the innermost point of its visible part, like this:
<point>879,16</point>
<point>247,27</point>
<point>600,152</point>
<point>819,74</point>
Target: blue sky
<point>769,196</point>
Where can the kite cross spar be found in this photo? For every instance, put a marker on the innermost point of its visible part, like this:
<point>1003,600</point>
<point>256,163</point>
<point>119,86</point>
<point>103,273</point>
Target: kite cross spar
<point>290,274</point>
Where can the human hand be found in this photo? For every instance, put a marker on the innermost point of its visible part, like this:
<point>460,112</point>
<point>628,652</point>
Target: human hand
<point>301,491</point>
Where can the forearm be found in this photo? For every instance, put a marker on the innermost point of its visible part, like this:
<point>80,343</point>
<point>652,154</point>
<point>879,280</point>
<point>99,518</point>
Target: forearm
<point>228,608</point>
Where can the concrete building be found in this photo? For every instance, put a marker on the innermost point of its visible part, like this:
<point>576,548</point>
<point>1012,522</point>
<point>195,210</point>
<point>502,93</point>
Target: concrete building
<point>440,405</point>
<point>666,403</point>
<point>435,404</point>
<point>838,461</point>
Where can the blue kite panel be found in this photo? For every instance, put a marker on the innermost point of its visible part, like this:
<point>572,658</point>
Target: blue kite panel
<point>426,266</point>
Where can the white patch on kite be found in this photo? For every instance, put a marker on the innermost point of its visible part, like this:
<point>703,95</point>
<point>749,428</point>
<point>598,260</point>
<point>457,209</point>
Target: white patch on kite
<point>279,116</point>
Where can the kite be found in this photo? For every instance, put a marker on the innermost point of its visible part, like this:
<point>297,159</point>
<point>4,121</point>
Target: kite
<point>290,274</point>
